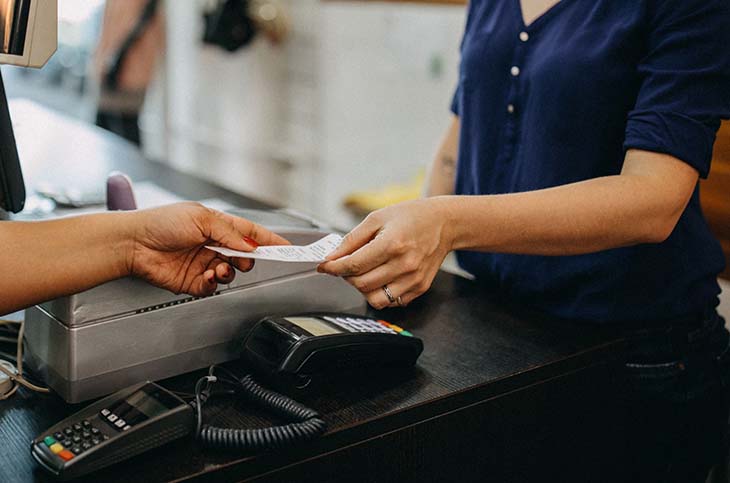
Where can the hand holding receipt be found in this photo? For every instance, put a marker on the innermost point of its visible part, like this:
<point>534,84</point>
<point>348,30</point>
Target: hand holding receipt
<point>314,252</point>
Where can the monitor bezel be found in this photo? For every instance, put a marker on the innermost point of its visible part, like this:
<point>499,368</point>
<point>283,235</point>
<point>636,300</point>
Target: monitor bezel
<point>41,36</point>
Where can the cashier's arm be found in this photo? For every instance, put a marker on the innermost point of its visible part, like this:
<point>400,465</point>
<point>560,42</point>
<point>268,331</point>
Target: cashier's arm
<point>403,245</point>
<point>442,173</point>
<point>165,246</point>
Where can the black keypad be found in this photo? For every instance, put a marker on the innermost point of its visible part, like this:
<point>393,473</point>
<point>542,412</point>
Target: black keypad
<point>80,437</point>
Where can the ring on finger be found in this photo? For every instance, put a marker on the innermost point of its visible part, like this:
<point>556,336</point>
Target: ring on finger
<point>389,294</point>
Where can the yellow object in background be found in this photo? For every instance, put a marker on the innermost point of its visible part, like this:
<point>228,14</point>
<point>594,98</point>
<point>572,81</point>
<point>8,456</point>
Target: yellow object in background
<point>363,202</point>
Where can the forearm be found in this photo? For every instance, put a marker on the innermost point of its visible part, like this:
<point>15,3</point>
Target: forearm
<point>442,173</point>
<point>43,260</point>
<point>573,219</point>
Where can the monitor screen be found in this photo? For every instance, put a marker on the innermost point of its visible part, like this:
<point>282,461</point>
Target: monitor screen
<point>13,25</point>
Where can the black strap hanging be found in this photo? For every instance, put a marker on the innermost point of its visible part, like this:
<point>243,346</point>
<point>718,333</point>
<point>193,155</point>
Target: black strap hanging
<point>116,60</point>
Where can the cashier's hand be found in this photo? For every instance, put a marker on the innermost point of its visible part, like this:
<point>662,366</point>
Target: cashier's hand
<point>401,246</point>
<point>169,247</point>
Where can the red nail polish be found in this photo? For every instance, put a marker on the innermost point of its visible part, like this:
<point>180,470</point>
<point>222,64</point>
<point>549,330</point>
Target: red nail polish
<point>251,241</point>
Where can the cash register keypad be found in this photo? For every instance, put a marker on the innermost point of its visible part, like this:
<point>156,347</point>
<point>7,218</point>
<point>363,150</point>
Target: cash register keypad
<point>357,324</point>
<point>74,440</point>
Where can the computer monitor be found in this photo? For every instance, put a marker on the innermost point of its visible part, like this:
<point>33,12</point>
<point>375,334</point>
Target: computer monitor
<point>28,38</point>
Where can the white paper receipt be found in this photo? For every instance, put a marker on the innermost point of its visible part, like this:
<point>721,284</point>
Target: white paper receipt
<point>314,252</point>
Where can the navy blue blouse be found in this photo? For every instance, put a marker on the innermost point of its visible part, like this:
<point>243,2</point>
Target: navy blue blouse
<point>560,101</point>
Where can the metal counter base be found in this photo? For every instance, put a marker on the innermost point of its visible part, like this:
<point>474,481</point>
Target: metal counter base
<point>95,359</point>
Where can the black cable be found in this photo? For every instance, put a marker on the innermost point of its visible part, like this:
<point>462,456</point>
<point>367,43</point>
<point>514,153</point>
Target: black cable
<point>306,424</point>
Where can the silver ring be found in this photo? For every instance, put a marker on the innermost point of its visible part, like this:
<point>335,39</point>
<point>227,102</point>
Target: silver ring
<point>388,294</point>
<point>399,301</point>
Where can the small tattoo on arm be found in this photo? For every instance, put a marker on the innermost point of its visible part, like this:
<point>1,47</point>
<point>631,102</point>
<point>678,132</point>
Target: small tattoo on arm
<point>448,164</point>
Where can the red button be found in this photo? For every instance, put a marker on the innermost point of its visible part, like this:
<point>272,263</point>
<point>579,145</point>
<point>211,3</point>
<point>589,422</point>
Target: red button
<point>66,455</point>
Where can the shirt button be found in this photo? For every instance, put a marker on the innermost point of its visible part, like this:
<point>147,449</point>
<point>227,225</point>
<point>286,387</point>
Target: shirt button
<point>524,36</point>
<point>515,71</point>
<point>510,108</point>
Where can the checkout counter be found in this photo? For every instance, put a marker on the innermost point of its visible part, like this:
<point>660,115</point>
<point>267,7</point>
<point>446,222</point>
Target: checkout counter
<point>499,394</point>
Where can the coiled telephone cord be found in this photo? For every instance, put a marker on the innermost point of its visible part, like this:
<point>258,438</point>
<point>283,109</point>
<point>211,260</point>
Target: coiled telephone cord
<point>306,423</point>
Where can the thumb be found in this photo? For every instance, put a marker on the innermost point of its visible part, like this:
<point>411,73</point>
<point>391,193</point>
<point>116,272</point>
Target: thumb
<point>359,236</point>
<point>232,231</point>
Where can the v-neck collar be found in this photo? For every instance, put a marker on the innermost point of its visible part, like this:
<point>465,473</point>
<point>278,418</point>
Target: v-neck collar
<point>542,18</point>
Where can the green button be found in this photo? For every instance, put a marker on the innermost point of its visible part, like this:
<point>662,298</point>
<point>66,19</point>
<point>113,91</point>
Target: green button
<point>49,440</point>
<point>405,332</point>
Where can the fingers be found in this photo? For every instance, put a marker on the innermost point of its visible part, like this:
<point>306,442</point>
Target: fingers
<point>402,286</point>
<point>243,264</point>
<point>359,236</point>
<point>258,233</point>
<point>373,279</point>
<point>373,254</point>
<point>204,285</point>
<point>224,273</point>
<point>239,233</point>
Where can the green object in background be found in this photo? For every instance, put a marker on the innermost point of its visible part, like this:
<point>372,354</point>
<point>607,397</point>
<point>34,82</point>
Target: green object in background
<point>436,66</point>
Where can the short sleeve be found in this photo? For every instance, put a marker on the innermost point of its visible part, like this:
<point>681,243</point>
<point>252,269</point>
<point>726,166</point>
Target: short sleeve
<point>685,81</point>
<point>456,100</point>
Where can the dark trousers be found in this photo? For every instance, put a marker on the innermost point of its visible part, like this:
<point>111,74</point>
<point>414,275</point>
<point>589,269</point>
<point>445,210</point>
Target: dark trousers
<point>675,402</point>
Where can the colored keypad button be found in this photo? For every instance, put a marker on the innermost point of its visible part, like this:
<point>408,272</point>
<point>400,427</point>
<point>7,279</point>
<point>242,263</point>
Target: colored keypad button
<point>56,448</point>
<point>49,440</point>
<point>396,328</point>
<point>66,455</point>
<point>405,332</point>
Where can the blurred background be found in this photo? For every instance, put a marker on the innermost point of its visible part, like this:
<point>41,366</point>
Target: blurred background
<point>300,103</point>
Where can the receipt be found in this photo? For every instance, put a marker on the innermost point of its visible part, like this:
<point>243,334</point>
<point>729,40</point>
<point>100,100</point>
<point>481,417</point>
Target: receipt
<point>314,252</point>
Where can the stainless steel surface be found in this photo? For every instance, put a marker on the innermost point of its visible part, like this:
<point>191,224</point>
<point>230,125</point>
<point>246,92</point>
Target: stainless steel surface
<point>127,296</point>
<point>126,331</point>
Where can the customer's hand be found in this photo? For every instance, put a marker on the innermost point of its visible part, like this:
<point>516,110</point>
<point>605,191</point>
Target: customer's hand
<point>401,246</point>
<point>169,247</point>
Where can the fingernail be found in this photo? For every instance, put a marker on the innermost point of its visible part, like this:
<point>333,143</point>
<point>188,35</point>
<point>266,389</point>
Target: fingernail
<point>211,279</point>
<point>251,241</point>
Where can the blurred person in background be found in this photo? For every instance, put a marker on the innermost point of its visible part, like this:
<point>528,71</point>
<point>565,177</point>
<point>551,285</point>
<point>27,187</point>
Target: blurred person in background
<point>131,41</point>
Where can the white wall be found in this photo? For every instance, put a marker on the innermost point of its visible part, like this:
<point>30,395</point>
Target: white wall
<point>357,98</point>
